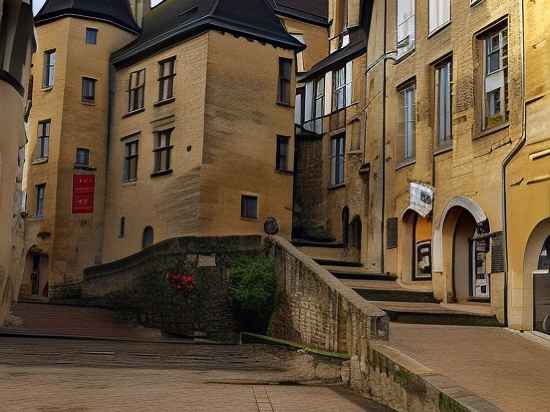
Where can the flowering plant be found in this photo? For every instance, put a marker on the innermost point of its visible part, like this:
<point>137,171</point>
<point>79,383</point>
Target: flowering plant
<point>180,282</point>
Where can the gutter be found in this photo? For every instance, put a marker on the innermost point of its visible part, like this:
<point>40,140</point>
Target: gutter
<point>515,150</point>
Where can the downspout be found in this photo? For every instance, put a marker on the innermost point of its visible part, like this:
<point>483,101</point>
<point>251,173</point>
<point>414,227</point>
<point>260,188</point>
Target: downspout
<point>510,157</point>
<point>383,160</point>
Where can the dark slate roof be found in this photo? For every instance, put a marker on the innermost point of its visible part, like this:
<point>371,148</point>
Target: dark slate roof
<point>117,12</point>
<point>175,20</point>
<point>312,11</point>
<point>356,47</point>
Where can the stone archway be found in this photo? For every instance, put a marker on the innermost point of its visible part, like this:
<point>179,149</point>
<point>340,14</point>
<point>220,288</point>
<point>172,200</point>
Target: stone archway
<point>461,220</point>
<point>414,248</point>
<point>536,283</point>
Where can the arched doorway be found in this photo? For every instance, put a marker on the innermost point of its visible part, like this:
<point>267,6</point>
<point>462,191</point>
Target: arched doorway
<point>470,249</point>
<point>415,250</point>
<point>148,237</point>
<point>345,226</point>
<point>37,269</point>
<point>356,233</point>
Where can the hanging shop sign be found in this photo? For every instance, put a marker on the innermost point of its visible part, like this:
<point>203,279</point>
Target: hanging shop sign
<point>421,199</point>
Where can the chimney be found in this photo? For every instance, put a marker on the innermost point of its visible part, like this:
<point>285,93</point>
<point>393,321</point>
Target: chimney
<point>139,9</point>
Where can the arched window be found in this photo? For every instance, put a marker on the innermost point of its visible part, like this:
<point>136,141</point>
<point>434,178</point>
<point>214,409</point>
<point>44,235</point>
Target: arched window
<point>148,237</point>
<point>356,232</point>
<point>345,226</point>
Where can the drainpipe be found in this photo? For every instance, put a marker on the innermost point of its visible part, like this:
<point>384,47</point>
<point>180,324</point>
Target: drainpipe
<point>383,168</point>
<point>510,157</point>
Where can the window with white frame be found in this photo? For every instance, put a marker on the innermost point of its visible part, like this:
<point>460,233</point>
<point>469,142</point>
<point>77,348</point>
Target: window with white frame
<point>342,82</point>
<point>440,14</point>
<point>495,46</point>
<point>43,139</point>
<point>443,87</point>
<point>49,69</point>
<point>407,126</point>
<point>406,31</point>
<point>136,90</point>
<point>131,154</point>
<point>40,199</point>
<point>167,73</point>
<point>163,151</point>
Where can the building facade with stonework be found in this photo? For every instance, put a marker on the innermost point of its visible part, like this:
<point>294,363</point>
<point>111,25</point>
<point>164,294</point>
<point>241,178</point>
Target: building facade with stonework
<point>16,45</point>
<point>330,174</point>
<point>527,186</point>
<point>150,124</point>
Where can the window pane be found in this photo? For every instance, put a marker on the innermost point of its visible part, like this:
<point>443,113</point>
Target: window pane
<point>249,207</point>
<point>91,36</point>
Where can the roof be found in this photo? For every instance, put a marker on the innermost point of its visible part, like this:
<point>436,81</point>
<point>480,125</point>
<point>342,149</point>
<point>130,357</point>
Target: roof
<point>357,46</point>
<point>116,12</point>
<point>175,20</point>
<point>312,11</point>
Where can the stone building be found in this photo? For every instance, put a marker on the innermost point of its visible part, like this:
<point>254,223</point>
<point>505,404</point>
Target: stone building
<point>16,45</point>
<point>527,186</point>
<point>445,109</point>
<point>149,126</point>
<point>330,174</point>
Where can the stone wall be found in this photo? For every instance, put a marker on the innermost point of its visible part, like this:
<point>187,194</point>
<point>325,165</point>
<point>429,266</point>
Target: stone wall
<point>205,312</point>
<point>317,311</point>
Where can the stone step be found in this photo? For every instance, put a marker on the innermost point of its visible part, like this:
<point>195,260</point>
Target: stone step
<point>357,273</point>
<point>380,291</point>
<point>338,263</point>
<point>438,314</point>
<point>311,243</point>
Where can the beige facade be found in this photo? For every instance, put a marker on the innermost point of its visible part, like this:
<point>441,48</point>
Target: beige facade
<point>16,46</point>
<point>433,144</point>
<point>528,187</point>
<point>58,242</point>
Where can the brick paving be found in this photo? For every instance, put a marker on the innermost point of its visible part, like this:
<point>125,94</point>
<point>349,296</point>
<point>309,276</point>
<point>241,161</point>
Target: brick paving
<point>506,369</point>
<point>57,375</point>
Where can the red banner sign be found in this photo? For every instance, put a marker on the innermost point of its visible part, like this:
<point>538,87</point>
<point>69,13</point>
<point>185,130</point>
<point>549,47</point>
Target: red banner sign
<point>83,194</point>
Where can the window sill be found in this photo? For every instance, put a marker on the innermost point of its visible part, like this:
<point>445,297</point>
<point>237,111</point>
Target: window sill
<point>284,172</point>
<point>288,105</point>
<point>162,173</point>
<point>355,152</point>
<point>35,218</point>
<point>443,149</point>
<point>404,56</point>
<point>336,187</point>
<point>40,161</point>
<point>439,29</point>
<point>133,112</point>
<point>129,183</point>
<point>165,101</point>
<point>46,89</point>
<point>88,102</point>
<point>84,167</point>
<point>492,130</point>
<point>405,163</point>
<point>249,219</point>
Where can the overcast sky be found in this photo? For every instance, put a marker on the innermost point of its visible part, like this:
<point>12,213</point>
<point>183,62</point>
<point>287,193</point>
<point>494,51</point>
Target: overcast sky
<point>38,4</point>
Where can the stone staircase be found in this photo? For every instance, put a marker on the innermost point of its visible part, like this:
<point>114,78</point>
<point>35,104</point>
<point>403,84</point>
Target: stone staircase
<point>403,304</point>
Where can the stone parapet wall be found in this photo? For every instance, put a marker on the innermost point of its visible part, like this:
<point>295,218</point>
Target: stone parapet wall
<point>317,310</point>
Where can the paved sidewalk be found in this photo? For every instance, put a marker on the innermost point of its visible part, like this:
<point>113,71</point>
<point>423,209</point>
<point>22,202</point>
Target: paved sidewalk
<point>506,369</point>
<point>53,375</point>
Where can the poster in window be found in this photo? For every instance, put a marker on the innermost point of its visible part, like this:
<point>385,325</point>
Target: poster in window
<point>83,194</point>
<point>423,260</point>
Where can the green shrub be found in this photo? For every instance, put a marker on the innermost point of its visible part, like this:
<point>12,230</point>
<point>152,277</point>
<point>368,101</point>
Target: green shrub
<point>253,291</point>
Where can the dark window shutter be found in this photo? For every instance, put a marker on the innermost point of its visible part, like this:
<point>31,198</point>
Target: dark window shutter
<point>497,253</point>
<point>392,233</point>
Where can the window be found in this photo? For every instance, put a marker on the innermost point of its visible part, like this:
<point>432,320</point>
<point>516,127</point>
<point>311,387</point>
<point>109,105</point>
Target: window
<point>282,161</point>
<point>337,150</point>
<point>91,36</point>
<point>82,157</point>
<point>43,141</point>
<point>49,69</point>
<point>40,195</point>
<point>131,161</point>
<point>285,73</point>
<point>407,127</point>
<point>167,72</point>
<point>136,91</point>
<point>148,237</point>
<point>314,105</point>
<point>88,89</point>
<point>495,47</point>
<point>440,13</point>
<point>162,151</point>
<point>406,31</point>
<point>122,228</point>
<point>343,86</point>
<point>443,79</point>
<point>249,207</point>
<point>343,15</point>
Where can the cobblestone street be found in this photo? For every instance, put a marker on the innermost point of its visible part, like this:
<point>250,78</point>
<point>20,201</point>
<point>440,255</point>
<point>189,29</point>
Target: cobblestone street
<point>51,375</point>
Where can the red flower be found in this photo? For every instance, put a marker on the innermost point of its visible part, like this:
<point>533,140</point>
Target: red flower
<point>181,282</point>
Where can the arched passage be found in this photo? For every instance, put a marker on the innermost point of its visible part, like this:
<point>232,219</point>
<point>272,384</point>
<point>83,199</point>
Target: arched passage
<point>345,226</point>
<point>356,233</point>
<point>537,276</point>
<point>415,247</point>
<point>148,237</point>
<point>460,249</point>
